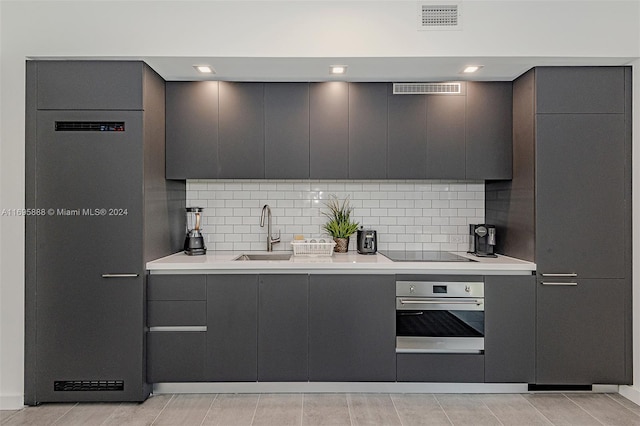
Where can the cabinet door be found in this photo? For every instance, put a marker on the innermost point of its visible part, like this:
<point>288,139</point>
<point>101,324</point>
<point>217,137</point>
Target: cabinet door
<point>580,89</point>
<point>580,194</point>
<point>232,328</point>
<point>95,85</point>
<point>445,137</point>
<point>329,130</point>
<point>89,327</point>
<point>352,328</point>
<point>581,332</point>
<point>286,130</point>
<point>509,328</point>
<point>488,142</point>
<point>283,328</point>
<point>192,129</point>
<point>241,130</point>
<point>368,130</point>
<point>407,140</point>
<point>176,356</point>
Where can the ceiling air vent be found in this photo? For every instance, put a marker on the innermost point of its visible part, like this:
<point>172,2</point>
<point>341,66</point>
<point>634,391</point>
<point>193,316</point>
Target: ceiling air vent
<point>439,16</point>
<point>426,88</point>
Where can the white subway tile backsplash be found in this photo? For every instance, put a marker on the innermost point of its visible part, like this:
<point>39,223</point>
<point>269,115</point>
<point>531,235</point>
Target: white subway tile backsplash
<point>408,215</point>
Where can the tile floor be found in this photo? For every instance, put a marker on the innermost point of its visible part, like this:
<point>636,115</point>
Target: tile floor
<point>341,409</point>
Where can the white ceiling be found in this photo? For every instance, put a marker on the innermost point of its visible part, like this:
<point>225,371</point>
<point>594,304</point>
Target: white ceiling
<point>394,69</point>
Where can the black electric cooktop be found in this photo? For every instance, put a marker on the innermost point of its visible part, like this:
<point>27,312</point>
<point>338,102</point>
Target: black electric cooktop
<point>423,256</point>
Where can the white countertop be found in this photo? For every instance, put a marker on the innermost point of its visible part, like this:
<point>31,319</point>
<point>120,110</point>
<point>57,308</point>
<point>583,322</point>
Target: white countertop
<point>222,262</point>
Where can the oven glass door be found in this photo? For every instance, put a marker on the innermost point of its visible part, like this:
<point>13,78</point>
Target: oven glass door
<point>439,325</point>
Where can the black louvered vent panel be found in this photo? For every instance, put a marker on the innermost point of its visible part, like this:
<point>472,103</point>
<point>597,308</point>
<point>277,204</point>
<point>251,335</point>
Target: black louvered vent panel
<point>88,385</point>
<point>89,126</point>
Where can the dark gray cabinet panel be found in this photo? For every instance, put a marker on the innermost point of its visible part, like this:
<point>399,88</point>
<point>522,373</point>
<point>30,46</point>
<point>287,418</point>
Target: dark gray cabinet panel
<point>448,368</point>
<point>177,287</point>
<point>176,356</point>
<point>176,312</point>
<point>286,130</point>
<point>283,341</point>
<point>407,140</point>
<point>580,89</point>
<point>510,328</point>
<point>368,130</point>
<point>232,328</point>
<point>192,130</point>
<point>329,130</point>
<point>445,137</point>
<point>89,85</point>
<point>488,147</point>
<point>581,332</point>
<point>581,208</point>
<point>352,328</point>
<point>241,130</point>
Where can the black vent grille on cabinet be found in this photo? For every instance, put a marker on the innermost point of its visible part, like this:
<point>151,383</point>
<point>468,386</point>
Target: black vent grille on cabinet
<point>89,126</point>
<point>88,385</point>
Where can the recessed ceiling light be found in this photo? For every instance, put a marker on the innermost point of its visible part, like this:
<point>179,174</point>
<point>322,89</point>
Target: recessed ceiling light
<point>338,69</point>
<point>204,69</point>
<point>471,68</point>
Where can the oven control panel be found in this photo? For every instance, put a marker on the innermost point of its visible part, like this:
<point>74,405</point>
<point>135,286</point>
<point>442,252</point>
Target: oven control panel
<point>439,289</point>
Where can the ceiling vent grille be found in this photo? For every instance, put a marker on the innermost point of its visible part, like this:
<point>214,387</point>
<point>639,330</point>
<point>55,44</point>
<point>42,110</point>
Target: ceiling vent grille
<point>439,16</point>
<point>426,88</point>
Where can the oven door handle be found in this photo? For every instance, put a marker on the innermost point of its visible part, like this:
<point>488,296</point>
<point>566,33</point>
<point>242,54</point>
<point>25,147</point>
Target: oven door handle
<point>414,301</point>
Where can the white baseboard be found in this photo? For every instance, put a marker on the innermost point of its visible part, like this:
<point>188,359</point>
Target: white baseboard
<point>11,402</point>
<point>632,393</point>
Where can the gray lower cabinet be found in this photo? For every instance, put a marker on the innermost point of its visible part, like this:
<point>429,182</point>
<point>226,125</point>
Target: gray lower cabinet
<point>582,327</point>
<point>510,329</point>
<point>283,335</point>
<point>241,131</point>
<point>447,368</point>
<point>232,328</point>
<point>368,130</point>
<point>192,130</point>
<point>445,137</point>
<point>352,328</point>
<point>176,317</point>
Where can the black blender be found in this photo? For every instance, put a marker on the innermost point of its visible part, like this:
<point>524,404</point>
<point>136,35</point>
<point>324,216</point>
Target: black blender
<point>194,241</point>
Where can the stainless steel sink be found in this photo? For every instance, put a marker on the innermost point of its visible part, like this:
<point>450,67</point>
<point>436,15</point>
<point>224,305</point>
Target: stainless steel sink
<point>264,256</point>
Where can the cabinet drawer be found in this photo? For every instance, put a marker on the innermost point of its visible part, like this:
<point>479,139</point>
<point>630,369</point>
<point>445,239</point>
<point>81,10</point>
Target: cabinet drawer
<point>177,287</point>
<point>448,368</point>
<point>176,313</point>
<point>175,356</point>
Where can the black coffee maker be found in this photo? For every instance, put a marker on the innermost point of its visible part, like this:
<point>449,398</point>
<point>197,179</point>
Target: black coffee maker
<point>482,240</point>
<point>367,241</point>
<point>194,241</point>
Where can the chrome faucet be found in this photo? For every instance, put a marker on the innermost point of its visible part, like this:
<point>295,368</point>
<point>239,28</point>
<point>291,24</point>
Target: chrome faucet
<point>270,241</point>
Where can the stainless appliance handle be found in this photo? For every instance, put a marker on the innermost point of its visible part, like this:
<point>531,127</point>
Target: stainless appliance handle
<point>559,284</point>
<point>451,301</point>
<point>569,275</point>
<point>120,275</point>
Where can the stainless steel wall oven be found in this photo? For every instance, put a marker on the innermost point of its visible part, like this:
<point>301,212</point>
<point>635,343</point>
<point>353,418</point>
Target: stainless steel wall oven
<point>440,316</point>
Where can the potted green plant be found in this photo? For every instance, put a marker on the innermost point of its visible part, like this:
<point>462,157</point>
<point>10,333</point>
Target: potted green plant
<point>339,226</point>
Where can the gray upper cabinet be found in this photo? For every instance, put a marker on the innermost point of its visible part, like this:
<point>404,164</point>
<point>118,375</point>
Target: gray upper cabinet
<point>445,137</point>
<point>407,139</point>
<point>489,147</point>
<point>329,130</point>
<point>580,90</point>
<point>241,131</point>
<point>368,130</point>
<point>286,130</point>
<point>581,207</point>
<point>192,130</point>
<point>84,85</point>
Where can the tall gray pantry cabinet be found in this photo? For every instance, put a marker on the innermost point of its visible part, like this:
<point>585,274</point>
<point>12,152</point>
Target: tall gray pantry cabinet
<point>95,173</point>
<point>568,208</point>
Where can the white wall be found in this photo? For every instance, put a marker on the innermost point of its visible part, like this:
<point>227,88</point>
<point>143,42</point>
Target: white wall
<point>265,28</point>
